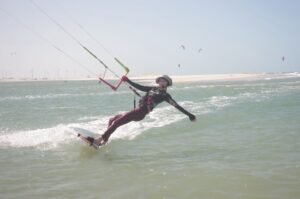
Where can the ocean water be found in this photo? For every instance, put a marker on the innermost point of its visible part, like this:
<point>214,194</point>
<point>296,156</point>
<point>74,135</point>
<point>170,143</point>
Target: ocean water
<point>245,143</point>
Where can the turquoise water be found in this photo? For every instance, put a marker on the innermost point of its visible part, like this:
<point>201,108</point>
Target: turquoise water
<point>245,143</point>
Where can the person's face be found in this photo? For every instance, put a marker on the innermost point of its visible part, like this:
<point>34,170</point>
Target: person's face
<point>163,84</point>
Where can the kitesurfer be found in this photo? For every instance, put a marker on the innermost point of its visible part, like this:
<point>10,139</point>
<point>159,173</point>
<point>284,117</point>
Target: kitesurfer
<point>154,96</point>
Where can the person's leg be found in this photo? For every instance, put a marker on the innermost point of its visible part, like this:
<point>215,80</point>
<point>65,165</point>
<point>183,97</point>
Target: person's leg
<point>134,115</point>
<point>111,120</point>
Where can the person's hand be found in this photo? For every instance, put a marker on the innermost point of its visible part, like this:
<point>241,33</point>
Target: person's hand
<point>124,78</point>
<point>192,117</point>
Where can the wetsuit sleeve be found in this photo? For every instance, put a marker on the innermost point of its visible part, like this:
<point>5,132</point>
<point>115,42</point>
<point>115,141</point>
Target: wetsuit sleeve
<point>139,87</point>
<point>171,101</point>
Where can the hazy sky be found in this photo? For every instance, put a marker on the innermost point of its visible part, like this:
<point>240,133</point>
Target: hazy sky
<point>236,36</point>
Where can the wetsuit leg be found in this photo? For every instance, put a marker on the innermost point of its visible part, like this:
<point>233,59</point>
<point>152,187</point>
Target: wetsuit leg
<point>111,120</point>
<point>134,115</point>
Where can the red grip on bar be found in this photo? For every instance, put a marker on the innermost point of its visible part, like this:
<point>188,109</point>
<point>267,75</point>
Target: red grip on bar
<point>110,85</point>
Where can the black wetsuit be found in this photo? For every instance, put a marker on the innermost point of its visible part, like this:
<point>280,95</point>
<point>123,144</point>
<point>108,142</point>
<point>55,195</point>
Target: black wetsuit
<point>153,97</point>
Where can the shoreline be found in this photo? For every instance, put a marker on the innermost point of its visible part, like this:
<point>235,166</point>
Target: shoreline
<point>181,78</point>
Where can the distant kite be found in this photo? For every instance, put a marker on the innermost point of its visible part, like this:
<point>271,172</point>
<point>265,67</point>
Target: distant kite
<point>183,47</point>
<point>200,49</point>
<point>283,58</point>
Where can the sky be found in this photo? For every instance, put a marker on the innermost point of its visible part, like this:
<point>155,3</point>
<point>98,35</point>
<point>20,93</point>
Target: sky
<point>236,36</point>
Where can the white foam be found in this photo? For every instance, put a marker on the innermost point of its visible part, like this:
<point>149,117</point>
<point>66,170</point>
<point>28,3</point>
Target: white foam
<point>41,138</point>
<point>50,138</point>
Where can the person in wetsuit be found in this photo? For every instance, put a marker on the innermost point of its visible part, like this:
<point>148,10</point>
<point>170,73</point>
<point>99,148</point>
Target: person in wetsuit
<point>153,97</point>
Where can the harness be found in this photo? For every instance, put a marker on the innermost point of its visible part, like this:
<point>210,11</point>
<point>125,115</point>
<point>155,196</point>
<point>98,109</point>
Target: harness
<point>149,99</point>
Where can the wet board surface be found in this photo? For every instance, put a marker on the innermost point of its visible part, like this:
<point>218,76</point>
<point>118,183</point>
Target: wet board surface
<point>84,138</point>
<point>83,134</point>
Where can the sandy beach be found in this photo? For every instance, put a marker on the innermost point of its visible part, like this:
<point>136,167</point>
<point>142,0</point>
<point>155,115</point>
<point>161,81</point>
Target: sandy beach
<point>183,78</point>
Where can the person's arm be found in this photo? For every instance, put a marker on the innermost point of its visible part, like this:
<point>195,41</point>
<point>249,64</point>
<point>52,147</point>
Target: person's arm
<point>171,101</point>
<point>137,86</point>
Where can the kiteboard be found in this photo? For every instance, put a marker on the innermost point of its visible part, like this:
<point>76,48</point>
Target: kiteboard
<point>87,136</point>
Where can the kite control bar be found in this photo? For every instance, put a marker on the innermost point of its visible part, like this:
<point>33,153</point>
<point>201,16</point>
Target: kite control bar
<point>115,88</point>
<point>109,84</point>
<point>120,82</point>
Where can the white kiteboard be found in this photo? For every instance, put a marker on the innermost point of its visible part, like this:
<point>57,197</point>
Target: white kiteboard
<point>84,135</point>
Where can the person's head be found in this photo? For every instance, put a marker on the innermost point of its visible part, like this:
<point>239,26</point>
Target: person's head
<point>163,82</point>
